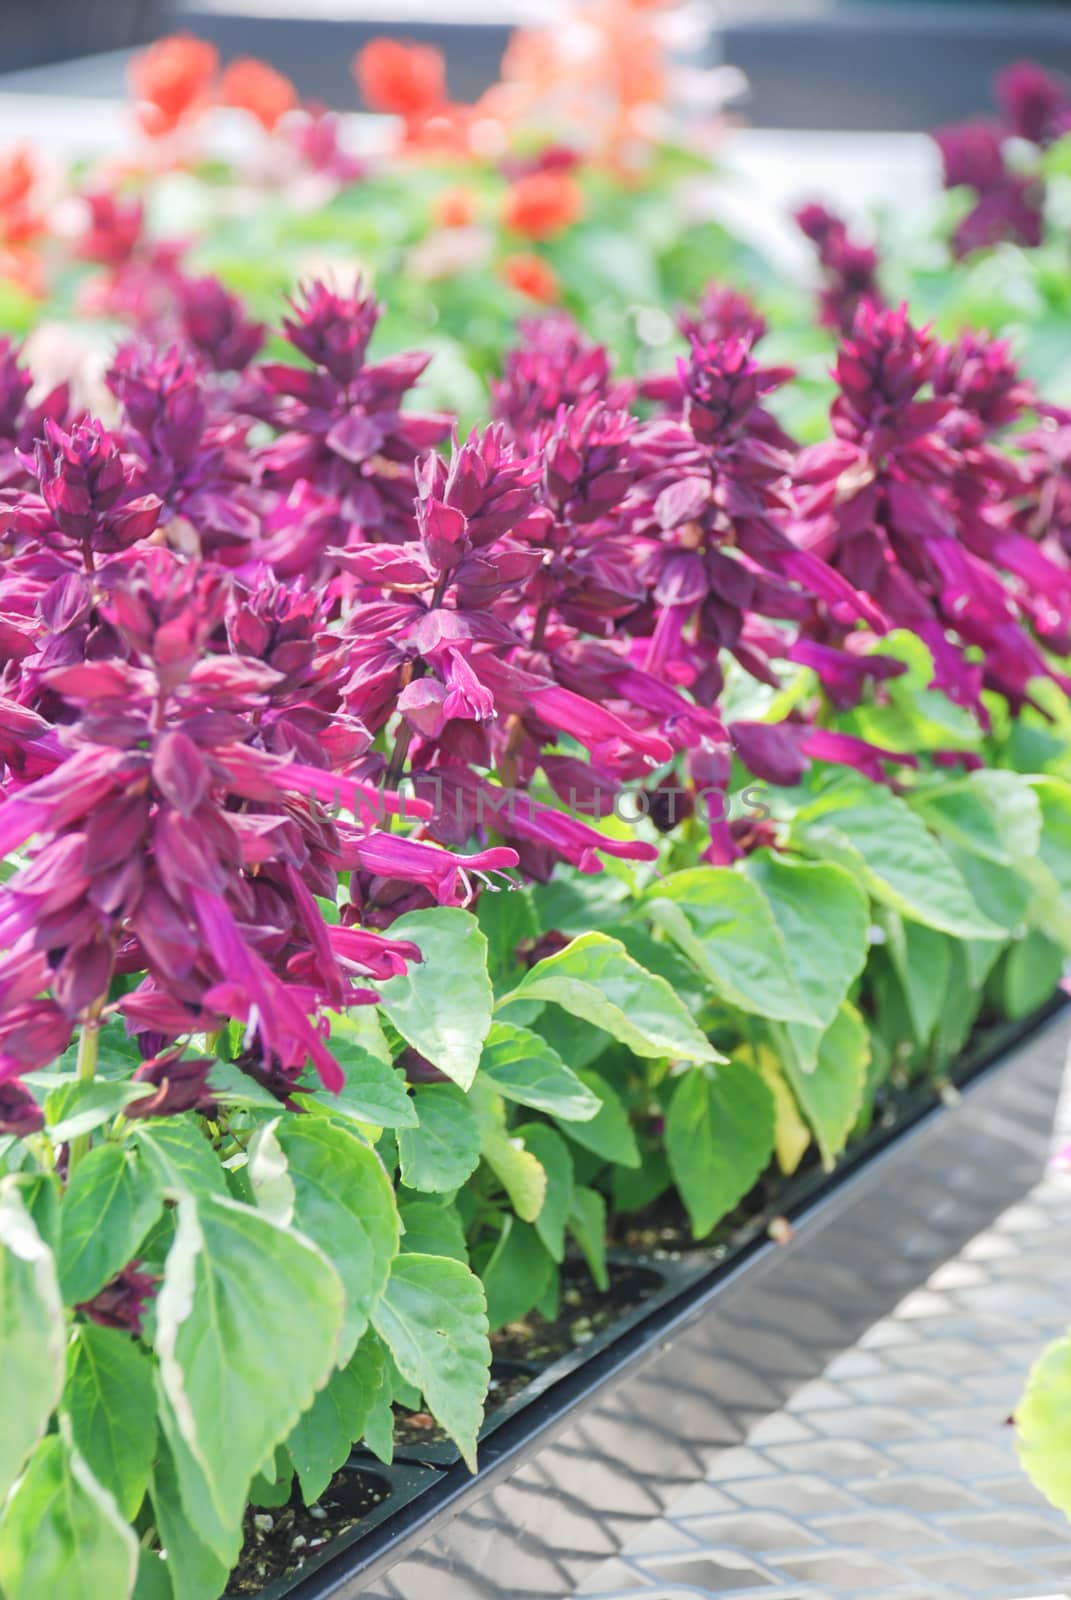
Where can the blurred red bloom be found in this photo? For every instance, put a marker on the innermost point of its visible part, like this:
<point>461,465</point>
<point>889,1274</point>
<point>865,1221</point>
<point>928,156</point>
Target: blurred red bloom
<point>532,276</point>
<point>19,221</point>
<point>454,208</point>
<point>173,81</point>
<point>543,203</point>
<point>406,79</point>
<point>255,87</point>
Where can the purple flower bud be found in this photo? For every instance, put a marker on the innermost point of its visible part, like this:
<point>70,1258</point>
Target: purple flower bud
<point>722,313</point>
<point>333,330</point>
<point>722,384</point>
<point>15,384</point>
<point>556,365</point>
<point>162,395</point>
<point>849,267</point>
<point>181,1084</point>
<point>1035,104</point>
<point>89,487</point>
<point>973,154</point>
<point>121,1303</point>
<point>771,750</point>
<point>81,475</point>
<point>216,325</point>
<point>19,1112</point>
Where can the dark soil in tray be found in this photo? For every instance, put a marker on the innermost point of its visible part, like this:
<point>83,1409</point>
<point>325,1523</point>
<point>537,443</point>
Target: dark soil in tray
<point>415,1428</point>
<point>663,1230</point>
<point>522,1349</point>
<point>584,1312</point>
<point>279,1540</point>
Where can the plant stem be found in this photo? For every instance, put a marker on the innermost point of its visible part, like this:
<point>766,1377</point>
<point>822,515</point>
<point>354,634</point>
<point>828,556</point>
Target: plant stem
<point>88,1051</point>
<point>401,749</point>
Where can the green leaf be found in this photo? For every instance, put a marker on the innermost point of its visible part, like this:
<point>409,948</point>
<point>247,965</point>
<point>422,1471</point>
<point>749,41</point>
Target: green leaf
<point>442,1006</point>
<point>575,1041</point>
<point>432,1228</point>
<point>344,1202</point>
<point>248,1322</point>
<point>635,1188</point>
<point>517,1169</point>
<point>831,1096</point>
<point>62,1534</point>
<point>552,1153</point>
<point>433,1319</point>
<point>722,922</point>
<point>524,1067</point>
<point>595,978</point>
<point>326,1434</point>
<point>274,1483</point>
<point>719,1139</point>
<point>270,1185</point>
<point>992,814</point>
<point>609,1133</point>
<point>923,961</point>
<point>32,1334</point>
<point>573,901</point>
<point>379,1423</point>
<point>110,1400</point>
<point>1054,798</point>
<point>374,1093</point>
<point>153,1581</point>
<point>1043,1420</point>
<point>181,1155</point>
<point>233,1087</point>
<point>1004,894</point>
<point>112,1201</point>
<point>805,896</point>
<point>1031,974</point>
<point>444,1149</point>
<point>664,959</point>
<point>517,1273</point>
<point>874,834</point>
<point>506,919</point>
<point>76,1108</point>
<point>587,1224</point>
<point>195,1573</point>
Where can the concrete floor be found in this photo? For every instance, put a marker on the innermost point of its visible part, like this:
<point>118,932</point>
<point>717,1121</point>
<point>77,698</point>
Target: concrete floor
<point>894,1476</point>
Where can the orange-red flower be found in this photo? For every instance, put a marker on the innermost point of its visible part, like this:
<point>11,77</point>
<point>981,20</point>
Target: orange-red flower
<point>173,81</point>
<point>255,87</point>
<point>406,79</point>
<point>18,175</point>
<point>23,268</point>
<point>454,208</point>
<point>543,203</point>
<point>532,276</point>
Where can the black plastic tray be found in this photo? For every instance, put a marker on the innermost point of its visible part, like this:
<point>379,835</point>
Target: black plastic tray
<point>609,1433</point>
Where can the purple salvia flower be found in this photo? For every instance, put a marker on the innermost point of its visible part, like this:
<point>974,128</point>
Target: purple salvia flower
<point>215,324</point>
<point>849,267</point>
<point>91,491</point>
<point>1035,104</point>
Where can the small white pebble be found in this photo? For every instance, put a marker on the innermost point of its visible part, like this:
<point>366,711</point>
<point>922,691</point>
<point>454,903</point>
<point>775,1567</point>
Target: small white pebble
<point>298,1542</point>
<point>263,1523</point>
<point>318,1512</point>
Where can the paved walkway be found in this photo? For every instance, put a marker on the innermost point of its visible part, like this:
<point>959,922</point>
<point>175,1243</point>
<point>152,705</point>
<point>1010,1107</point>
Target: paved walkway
<point>893,1477</point>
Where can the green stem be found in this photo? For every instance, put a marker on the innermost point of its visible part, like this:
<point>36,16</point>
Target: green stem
<point>88,1051</point>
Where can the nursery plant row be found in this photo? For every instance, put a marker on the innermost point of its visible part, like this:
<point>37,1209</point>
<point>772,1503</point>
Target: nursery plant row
<point>433,857</point>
